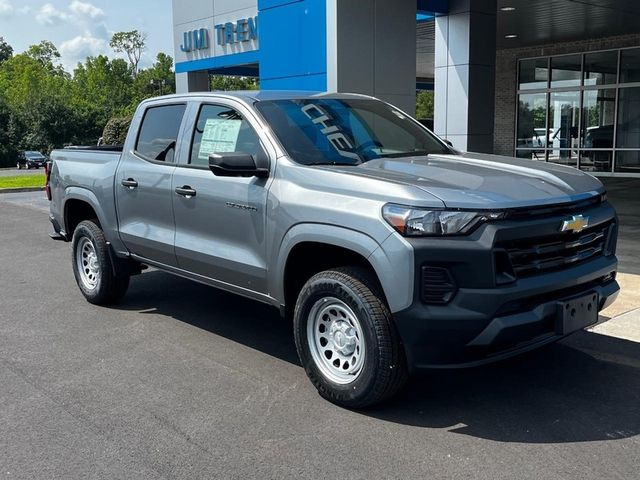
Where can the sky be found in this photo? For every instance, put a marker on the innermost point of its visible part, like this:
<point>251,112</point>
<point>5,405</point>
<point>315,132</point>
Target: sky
<point>80,28</point>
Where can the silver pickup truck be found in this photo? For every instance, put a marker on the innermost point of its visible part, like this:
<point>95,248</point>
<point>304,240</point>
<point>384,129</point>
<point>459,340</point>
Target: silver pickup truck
<point>391,251</point>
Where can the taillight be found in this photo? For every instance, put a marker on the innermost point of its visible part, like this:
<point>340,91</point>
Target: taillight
<point>47,172</point>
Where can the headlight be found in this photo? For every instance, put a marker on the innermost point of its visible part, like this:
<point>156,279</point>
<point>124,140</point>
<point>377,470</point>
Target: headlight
<point>415,222</point>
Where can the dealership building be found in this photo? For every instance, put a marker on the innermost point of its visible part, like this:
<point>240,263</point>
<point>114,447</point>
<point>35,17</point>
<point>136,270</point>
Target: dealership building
<point>552,80</point>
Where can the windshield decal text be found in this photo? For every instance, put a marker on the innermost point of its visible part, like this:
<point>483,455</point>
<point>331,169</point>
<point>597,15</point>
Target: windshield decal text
<point>334,135</point>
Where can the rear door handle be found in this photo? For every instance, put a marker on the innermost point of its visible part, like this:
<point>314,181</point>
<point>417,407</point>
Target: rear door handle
<point>186,191</point>
<point>130,183</point>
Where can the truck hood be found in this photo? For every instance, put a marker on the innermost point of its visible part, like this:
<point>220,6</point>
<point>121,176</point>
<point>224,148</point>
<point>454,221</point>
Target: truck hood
<point>476,180</point>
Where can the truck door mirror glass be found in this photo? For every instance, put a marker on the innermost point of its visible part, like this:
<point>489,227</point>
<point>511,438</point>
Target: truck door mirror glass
<point>235,164</point>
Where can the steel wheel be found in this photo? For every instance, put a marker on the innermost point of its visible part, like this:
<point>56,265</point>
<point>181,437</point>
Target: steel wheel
<point>87,263</point>
<point>335,339</point>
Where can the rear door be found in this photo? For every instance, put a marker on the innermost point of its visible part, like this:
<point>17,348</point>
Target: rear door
<point>143,184</point>
<point>220,228</point>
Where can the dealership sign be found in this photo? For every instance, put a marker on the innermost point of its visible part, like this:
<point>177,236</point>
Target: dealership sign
<point>243,30</point>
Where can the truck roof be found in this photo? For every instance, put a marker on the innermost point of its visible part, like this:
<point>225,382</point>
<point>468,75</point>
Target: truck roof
<point>258,95</point>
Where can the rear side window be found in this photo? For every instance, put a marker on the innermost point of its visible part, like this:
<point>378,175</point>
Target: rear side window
<point>221,129</point>
<point>159,132</point>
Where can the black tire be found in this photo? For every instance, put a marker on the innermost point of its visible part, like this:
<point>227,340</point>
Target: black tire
<point>108,289</point>
<point>384,369</point>
<point>19,166</point>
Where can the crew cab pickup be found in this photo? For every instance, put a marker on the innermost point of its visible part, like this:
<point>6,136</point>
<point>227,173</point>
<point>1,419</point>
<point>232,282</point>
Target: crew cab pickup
<point>391,251</point>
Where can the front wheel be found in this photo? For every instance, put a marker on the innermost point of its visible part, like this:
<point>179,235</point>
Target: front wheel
<point>19,166</point>
<point>92,266</point>
<point>346,339</point>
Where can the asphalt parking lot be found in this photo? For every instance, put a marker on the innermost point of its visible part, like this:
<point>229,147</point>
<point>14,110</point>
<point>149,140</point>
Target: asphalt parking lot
<point>184,381</point>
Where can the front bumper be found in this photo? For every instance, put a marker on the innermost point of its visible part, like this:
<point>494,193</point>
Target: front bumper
<point>486,321</point>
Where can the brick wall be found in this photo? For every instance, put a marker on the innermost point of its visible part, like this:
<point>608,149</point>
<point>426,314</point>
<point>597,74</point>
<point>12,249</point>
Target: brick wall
<point>506,77</point>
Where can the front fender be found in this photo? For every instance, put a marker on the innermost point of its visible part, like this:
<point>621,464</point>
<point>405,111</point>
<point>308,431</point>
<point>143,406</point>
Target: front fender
<point>393,264</point>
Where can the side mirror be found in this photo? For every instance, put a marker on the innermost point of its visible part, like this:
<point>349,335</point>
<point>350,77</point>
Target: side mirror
<point>235,164</point>
<point>448,142</point>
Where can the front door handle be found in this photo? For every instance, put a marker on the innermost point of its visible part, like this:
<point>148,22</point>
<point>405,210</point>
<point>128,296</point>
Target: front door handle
<point>186,191</point>
<point>130,183</point>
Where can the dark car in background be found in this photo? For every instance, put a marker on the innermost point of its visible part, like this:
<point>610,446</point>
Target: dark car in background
<point>31,159</point>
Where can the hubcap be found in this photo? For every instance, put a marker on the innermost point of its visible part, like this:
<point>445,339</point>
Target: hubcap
<point>334,335</point>
<point>87,263</point>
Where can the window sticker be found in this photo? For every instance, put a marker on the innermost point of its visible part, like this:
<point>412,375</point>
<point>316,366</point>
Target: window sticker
<point>220,135</point>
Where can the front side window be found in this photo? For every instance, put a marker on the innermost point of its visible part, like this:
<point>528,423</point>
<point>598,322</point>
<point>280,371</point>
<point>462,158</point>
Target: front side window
<point>221,129</point>
<point>333,131</point>
<point>159,132</point>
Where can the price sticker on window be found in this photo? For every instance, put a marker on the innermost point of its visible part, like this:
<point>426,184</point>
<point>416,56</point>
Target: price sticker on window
<point>219,135</point>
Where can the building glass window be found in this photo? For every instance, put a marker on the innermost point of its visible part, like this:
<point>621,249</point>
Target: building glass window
<point>598,117</point>
<point>629,118</point>
<point>630,65</point>
<point>566,71</point>
<point>534,73</point>
<point>601,68</point>
<point>628,161</point>
<point>581,110</point>
<point>532,120</point>
<point>564,121</point>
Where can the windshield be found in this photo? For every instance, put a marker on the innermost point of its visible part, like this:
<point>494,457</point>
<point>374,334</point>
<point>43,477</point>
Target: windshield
<point>345,131</point>
<point>34,154</point>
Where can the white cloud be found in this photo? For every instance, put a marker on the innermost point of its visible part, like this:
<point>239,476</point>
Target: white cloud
<point>82,46</point>
<point>88,20</point>
<point>24,10</point>
<point>50,15</point>
<point>6,8</point>
<point>87,10</point>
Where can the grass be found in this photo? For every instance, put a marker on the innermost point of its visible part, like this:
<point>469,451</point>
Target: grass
<point>22,181</point>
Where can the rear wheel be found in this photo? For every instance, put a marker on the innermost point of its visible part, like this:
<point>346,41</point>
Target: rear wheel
<point>92,266</point>
<point>346,338</point>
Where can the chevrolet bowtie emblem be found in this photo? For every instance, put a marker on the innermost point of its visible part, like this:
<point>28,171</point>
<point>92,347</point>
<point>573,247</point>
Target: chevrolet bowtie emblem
<point>576,223</point>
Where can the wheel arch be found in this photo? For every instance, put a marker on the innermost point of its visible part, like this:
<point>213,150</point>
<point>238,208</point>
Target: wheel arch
<point>322,246</point>
<point>80,204</point>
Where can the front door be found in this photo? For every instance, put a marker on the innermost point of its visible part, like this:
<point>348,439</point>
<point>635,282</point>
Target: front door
<point>143,186</point>
<point>220,221</point>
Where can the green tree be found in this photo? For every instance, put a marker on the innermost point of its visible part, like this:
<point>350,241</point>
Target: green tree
<point>40,102</point>
<point>132,43</point>
<point>115,131</point>
<point>46,54</point>
<point>151,82</point>
<point>6,51</point>
<point>424,104</point>
<point>229,82</point>
<point>8,137</point>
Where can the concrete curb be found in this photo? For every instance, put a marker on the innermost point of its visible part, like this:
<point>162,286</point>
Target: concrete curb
<point>21,190</point>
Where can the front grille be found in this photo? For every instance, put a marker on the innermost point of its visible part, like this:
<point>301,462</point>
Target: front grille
<point>542,254</point>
